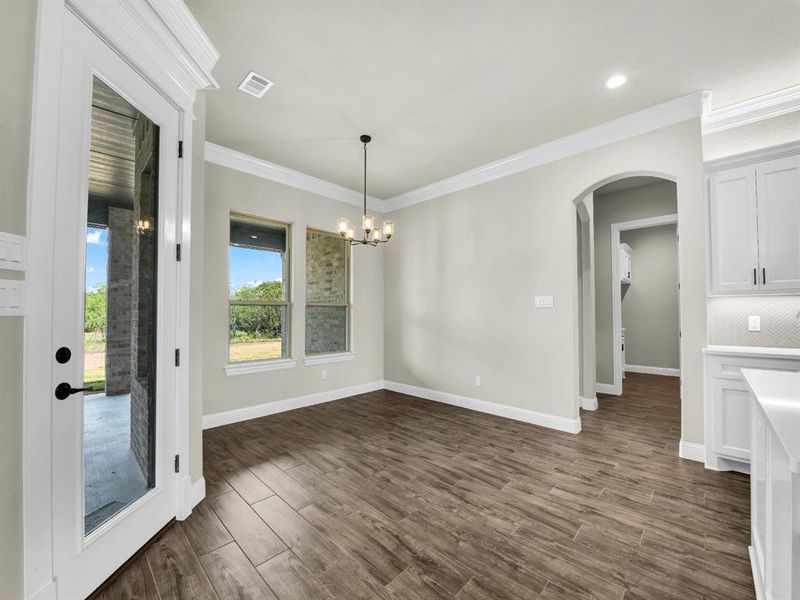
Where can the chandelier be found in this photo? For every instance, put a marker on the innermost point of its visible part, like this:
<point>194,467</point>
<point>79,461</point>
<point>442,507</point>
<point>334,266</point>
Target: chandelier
<point>370,234</point>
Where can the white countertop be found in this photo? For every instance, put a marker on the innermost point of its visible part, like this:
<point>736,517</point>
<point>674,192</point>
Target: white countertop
<point>753,351</point>
<point>778,395</point>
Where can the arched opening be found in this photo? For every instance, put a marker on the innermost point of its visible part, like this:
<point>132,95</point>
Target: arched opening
<point>639,206</point>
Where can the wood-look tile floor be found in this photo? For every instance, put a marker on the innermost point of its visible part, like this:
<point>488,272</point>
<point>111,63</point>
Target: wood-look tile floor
<point>386,496</point>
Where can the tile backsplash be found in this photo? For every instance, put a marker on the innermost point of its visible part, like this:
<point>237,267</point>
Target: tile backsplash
<point>780,321</point>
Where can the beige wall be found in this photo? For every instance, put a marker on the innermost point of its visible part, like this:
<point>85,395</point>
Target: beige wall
<point>17,36</point>
<point>650,303</point>
<point>626,205</point>
<point>754,136</point>
<point>196,293</point>
<point>227,190</point>
<point>464,269</point>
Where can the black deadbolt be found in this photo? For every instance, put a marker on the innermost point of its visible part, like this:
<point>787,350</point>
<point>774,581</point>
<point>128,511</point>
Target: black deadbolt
<point>65,390</point>
<point>63,355</point>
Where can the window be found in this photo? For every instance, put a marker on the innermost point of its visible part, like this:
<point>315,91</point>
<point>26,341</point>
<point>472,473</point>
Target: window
<point>258,306</point>
<point>327,293</point>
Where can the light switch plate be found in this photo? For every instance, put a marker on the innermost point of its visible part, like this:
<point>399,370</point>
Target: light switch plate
<point>543,302</point>
<point>12,298</point>
<point>754,323</point>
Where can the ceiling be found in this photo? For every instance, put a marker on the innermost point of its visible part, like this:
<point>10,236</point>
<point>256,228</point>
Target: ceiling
<point>445,86</point>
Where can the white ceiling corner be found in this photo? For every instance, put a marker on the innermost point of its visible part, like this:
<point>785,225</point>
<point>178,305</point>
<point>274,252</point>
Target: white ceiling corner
<point>239,161</point>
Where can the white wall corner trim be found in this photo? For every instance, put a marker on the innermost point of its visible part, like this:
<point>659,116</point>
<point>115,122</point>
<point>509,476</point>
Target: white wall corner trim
<point>239,161</point>
<point>588,403</point>
<point>669,372</point>
<point>270,408</point>
<point>625,127</point>
<point>755,109</point>
<point>492,408</point>
<point>605,388</point>
<point>260,366</point>
<point>692,451</point>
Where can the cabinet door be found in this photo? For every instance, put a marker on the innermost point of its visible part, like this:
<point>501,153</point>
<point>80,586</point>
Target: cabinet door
<point>731,418</point>
<point>734,240</point>
<point>778,203</point>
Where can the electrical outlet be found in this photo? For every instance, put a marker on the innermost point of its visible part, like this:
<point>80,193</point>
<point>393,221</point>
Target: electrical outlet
<point>477,381</point>
<point>324,374</point>
<point>754,323</point>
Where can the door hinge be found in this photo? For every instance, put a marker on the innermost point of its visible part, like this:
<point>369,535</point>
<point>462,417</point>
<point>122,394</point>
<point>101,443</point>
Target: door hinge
<point>178,252</point>
<point>177,357</point>
<point>177,463</point>
<point>180,149</point>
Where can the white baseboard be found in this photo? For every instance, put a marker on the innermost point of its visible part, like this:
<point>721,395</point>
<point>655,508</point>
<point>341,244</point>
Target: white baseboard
<point>653,370</point>
<point>758,583</point>
<point>492,408</point>
<point>270,408</point>
<point>198,492</point>
<point>49,592</point>
<point>605,388</point>
<point>691,451</point>
<point>588,403</point>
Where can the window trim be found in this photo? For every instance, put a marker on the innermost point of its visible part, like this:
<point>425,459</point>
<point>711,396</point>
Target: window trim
<point>347,354</point>
<point>263,364</point>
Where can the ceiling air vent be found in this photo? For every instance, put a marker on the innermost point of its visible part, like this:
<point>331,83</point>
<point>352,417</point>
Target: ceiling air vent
<point>255,84</point>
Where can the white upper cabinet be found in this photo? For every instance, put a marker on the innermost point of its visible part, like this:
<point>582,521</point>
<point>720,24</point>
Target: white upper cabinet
<point>778,193</point>
<point>754,214</point>
<point>734,237</point>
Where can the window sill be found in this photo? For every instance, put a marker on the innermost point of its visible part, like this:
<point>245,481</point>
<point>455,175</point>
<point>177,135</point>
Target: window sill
<point>258,366</point>
<point>323,359</point>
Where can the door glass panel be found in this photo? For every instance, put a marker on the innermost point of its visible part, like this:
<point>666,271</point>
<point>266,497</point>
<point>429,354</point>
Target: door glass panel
<point>119,308</point>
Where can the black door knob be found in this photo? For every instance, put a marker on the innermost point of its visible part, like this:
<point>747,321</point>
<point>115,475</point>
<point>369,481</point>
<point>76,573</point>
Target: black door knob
<point>65,390</point>
<point>63,355</point>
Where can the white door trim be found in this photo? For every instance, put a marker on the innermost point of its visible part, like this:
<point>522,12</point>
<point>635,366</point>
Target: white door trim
<point>178,65</point>
<point>616,292</point>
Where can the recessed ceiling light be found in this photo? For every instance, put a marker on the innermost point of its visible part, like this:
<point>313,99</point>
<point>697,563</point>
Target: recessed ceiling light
<point>616,81</point>
<point>255,237</point>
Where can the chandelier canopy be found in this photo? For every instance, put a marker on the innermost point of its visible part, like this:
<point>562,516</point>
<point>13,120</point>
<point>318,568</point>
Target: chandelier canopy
<point>370,235</point>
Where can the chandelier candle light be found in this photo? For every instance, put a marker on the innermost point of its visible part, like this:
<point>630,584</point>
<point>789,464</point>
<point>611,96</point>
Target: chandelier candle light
<point>371,235</point>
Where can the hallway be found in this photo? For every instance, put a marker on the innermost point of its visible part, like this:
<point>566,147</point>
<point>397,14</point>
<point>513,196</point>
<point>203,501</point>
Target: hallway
<point>388,496</point>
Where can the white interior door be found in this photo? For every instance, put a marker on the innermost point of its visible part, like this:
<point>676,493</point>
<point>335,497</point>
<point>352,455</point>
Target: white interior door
<point>114,315</point>
<point>779,223</point>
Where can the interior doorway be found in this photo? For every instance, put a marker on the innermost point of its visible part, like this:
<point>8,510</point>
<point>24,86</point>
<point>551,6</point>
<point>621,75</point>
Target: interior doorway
<point>646,327</point>
<point>604,215</point>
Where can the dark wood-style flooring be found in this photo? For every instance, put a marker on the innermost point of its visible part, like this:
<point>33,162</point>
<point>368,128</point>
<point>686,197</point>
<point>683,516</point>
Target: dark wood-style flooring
<point>386,496</point>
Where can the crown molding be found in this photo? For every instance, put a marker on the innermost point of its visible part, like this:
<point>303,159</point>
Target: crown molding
<point>769,105</point>
<point>752,157</point>
<point>161,39</point>
<point>631,125</point>
<point>239,161</point>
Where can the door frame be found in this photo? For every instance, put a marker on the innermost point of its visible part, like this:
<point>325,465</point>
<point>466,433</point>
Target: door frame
<point>616,292</point>
<point>165,45</point>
